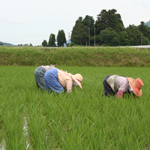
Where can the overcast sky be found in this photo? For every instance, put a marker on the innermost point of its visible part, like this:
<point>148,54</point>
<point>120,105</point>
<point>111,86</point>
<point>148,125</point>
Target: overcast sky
<point>32,21</point>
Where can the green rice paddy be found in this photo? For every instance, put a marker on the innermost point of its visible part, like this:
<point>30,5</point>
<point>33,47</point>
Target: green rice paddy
<point>81,120</point>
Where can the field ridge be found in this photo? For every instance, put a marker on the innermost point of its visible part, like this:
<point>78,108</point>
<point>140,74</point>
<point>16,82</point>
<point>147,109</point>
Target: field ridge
<point>75,56</point>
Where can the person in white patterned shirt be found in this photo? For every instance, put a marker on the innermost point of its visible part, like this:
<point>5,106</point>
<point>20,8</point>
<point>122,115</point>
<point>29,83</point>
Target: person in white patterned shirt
<point>118,85</point>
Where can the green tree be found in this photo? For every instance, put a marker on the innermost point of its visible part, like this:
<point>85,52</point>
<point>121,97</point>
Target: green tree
<point>61,39</point>
<point>109,37</point>
<point>145,40</point>
<point>124,38</point>
<point>44,43</point>
<point>108,19</point>
<point>144,29</point>
<point>79,33</point>
<point>51,41</point>
<point>88,22</point>
<point>134,35</point>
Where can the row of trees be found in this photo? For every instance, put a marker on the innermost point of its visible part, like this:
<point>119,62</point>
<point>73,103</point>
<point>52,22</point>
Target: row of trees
<point>107,30</point>
<point>61,39</point>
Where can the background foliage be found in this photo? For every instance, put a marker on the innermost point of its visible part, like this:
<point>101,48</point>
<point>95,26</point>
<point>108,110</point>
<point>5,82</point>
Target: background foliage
<point>61,38</point>
<point>118,35</point>
<point>51,42</point>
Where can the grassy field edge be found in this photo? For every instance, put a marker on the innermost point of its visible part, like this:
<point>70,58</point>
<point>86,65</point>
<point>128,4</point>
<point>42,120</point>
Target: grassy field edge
<point>75,56</point>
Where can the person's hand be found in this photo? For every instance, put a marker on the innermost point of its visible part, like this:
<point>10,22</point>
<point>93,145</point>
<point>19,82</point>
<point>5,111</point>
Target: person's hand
<point>69,91</point>
<point>120,94</point>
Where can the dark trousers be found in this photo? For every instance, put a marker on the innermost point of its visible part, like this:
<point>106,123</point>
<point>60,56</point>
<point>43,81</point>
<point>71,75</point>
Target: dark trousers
<point>107,88</point>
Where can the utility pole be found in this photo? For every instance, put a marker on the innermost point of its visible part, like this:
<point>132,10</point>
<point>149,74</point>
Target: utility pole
<point>141,39</point>
<point>89,36</point>
<point>69,38</point>
<point>94,36</point>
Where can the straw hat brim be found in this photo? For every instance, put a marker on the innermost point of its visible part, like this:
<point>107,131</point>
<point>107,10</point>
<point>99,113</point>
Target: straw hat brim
<point>131,81</point>
<point>79,84</point>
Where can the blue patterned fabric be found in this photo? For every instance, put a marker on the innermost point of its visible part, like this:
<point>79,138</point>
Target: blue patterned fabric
<point>51,81</point>
<point>39,77</point>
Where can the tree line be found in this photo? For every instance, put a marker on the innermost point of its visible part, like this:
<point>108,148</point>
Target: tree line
<point>61,39</point>
<point>107,30</point>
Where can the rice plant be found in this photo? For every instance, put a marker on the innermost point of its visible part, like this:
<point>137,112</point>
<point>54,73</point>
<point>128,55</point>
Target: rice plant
<point>84,119</point>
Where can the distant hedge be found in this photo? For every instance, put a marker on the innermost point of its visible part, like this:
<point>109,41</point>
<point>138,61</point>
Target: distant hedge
<point>74,56</point>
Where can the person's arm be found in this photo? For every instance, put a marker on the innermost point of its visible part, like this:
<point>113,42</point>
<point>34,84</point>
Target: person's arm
<point>123,87</point>
<point>69,86</point>
<point>120,94</point>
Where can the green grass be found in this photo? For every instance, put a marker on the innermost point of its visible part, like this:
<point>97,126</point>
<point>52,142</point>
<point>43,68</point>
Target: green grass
<point>75,56</point>
<point>83,119</point>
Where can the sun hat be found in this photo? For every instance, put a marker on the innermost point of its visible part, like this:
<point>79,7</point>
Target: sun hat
<point>136,86</point>
<point>78,79</point>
